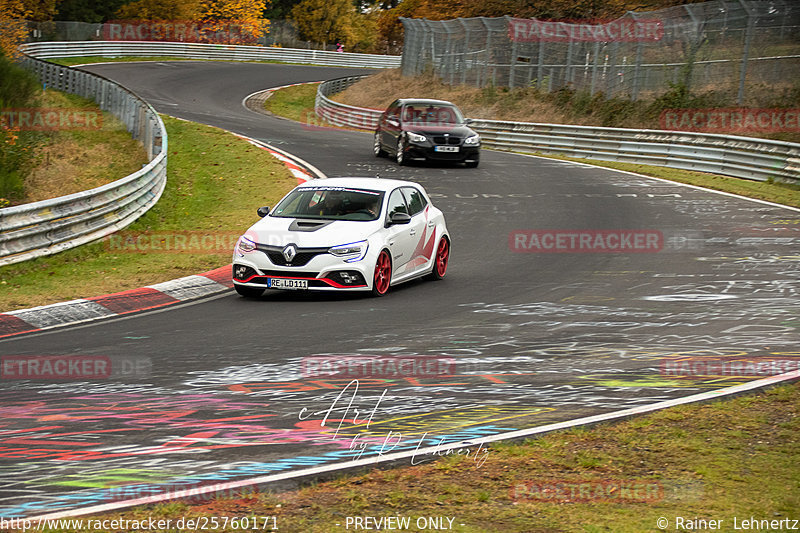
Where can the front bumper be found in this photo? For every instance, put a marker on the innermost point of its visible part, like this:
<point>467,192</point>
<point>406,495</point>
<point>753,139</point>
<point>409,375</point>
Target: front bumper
<point>428,151</point>
<point>323,272</point>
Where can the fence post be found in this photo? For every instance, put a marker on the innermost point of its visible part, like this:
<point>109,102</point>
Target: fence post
<point>593,88</point>
<point>540,68</point>
<point>746,51</point>
<point>636,69</point>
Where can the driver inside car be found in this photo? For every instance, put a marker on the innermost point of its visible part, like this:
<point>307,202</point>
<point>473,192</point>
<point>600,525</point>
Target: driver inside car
<point>333,205</point>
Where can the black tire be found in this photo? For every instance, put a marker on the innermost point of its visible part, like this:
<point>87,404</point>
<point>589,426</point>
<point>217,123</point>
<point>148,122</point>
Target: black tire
<point>400,155</point>
<point>248,292</point>
<point>377,147</point>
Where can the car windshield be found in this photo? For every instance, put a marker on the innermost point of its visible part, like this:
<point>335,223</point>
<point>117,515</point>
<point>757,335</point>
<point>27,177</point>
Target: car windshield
<point>330,203</point>
<point>432,114</point>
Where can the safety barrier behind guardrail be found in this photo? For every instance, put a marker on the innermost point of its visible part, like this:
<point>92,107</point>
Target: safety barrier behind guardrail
<point>50,226</point>
<point>727,155</point>
<point>222,52</point>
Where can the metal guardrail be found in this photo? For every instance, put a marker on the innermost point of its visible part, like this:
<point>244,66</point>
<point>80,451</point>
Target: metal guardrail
<point>222,52</point>
<point>50,226</point>
<point>342,115</point>
<point>740,157</point>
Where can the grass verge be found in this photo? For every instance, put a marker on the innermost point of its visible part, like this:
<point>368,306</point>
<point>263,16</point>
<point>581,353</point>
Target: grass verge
<point>295,103</point>
<point>215,183</point>
<point>81,158</point>
<point>735,458</point>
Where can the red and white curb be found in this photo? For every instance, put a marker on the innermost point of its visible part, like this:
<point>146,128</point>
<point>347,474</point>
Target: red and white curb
<point>145,298</point>
<point>116,304</point>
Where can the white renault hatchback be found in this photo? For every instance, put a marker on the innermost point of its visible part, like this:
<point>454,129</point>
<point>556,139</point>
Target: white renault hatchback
<point>343,234</point>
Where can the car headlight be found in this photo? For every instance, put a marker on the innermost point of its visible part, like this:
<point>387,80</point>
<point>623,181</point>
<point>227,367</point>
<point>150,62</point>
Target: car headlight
<point>245,246</point>
<point>351,252</point>
<point>416,138</point>
<point>472,140</point>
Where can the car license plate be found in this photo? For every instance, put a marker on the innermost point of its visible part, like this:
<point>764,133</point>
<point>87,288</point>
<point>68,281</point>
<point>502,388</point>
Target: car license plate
<point>280,283</point>
<point>446,148</point>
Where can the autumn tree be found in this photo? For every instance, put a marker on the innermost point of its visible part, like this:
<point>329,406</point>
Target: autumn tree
<point>326,21</point>
<point>160,10</point>
<point>88,10</point>
<point>40,10</point>
<point>390,29</point>
<point>13,28</point>
<point>248,14</point>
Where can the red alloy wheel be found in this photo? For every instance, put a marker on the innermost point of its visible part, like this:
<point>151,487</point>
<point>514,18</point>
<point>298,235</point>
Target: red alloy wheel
<point>383,274</point>
<point>442,257</point>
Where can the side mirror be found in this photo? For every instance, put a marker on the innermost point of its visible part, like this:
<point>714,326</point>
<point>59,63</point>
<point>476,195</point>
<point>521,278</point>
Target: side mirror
<point>262,211</point>
<point>393,121</point>
<point>399,218</point>
<point>468,121</point>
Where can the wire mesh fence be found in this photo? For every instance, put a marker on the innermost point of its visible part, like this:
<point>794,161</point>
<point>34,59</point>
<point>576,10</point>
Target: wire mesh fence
<point>733,46</point>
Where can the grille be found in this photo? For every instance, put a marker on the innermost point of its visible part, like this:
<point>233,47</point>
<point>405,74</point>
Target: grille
<point>289,274</point>
<point>304,255</point>
<point>441,139</point>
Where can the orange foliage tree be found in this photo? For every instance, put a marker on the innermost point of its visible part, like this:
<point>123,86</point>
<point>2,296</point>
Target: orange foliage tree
<point>13,28</point>
<point>160,10</point>
<point>248,15</point>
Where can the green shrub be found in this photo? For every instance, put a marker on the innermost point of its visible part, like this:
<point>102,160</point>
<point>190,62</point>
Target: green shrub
<point>18,89</point>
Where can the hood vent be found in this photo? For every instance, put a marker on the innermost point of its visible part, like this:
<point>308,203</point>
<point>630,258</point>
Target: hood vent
<point>308,225</point>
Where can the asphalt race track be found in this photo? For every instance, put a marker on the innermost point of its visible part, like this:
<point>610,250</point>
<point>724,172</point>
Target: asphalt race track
<point>520,334</point>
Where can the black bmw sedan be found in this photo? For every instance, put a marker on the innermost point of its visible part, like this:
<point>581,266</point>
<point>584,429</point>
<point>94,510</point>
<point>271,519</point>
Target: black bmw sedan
<point>422,129</point>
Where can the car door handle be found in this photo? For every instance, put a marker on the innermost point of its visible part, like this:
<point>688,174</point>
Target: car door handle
<point>412,232</point>
<point>431,224</point>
